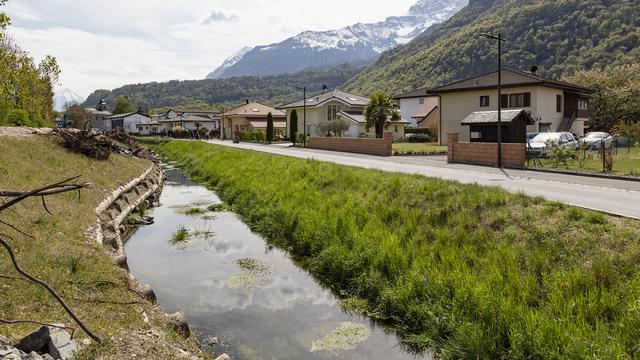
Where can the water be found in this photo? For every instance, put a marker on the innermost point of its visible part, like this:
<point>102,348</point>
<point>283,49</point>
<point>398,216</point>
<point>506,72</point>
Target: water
<point>277,313</point>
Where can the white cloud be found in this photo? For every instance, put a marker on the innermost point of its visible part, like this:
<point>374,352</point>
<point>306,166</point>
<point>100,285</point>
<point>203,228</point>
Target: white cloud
<point>109,44</point>
<point>217,16</point>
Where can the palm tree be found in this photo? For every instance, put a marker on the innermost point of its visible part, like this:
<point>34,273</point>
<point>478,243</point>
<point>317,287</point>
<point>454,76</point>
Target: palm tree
<point>381,110</point>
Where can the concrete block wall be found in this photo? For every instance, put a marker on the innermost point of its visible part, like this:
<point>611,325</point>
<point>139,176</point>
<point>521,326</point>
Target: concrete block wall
<point>513,155</point>
<point>381,147</point>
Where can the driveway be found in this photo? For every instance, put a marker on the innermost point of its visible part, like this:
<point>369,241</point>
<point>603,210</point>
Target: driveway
<point>617,197</point>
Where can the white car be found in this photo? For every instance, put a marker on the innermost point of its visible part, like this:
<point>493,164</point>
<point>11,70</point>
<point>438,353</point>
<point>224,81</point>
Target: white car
<point>539,145</point>
<point>595,140</point>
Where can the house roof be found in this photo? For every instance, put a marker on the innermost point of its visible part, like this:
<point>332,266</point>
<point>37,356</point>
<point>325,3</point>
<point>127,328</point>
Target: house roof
<point>122,116</point>
<point>491,117</point>
<point>196,111</point>
<point>254,110</point>
<point>413,94</point>
<point>510,78</point>
<point>261,124</point>
<point>188,118</point>
<point>318,100</point>
<point>360,118</point>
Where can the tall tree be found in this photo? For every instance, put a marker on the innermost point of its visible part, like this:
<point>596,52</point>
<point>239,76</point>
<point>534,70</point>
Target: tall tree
<point>78,116</point>
<point>381,110</point>
<point>4,19</point>
<point>293,126</point>
<point>123,106</point>
<point>269,128</point>
<point>617,96</point>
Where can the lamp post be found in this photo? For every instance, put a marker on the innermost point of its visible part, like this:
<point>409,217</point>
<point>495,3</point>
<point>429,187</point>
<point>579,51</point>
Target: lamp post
<point>500,39</point>
<point>304,115</point>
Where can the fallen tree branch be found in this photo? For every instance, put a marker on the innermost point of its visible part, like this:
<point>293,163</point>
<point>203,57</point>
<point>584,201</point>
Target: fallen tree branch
<point>47,287</point>
<point>53,189</point>
<point>13,322</point>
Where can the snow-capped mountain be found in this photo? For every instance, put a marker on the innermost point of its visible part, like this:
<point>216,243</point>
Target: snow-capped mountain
<point>62,97</point>
<point>229,62</point>
<point>355,43</point>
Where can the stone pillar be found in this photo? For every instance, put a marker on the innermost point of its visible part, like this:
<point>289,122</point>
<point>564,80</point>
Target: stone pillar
<point>453,139</point>
<point>388,144</point>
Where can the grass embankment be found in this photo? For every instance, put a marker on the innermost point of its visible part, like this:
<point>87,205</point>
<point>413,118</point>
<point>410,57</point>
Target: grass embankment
<point>471,271</point>
<point>80,270</point>
<point>625,162</point>
<point>418,149</point>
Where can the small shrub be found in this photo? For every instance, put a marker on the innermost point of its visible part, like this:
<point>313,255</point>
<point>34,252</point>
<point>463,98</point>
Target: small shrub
<point>181,235</point>
<point>18,117</point>
<point>574,214</point>
<point>74,264</point>
<point>560,154</point>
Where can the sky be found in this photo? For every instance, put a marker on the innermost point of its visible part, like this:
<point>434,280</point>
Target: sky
<point>106,44</point>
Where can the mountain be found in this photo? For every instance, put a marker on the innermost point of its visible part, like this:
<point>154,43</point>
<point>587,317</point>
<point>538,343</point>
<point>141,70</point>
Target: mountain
<point>63,97</point>
<point>356,43</point>
<point>272,90</point>
<point>229,62</point>
<point>559,37</point>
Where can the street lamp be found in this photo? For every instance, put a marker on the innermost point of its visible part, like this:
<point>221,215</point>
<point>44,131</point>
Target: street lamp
<point>500,39</point>
<point>304,116</point>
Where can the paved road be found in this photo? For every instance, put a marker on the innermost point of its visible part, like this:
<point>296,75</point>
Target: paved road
<point>616,197</point>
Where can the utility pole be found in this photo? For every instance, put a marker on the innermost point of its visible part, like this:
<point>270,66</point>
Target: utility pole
<point>500,40</point>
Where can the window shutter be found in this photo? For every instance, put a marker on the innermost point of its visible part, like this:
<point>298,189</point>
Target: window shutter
<point>527,99</point>
<point>504,100</point>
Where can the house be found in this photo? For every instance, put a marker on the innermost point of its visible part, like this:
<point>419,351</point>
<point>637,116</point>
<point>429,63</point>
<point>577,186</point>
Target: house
<point>333,105</point>
<point>97,115</point>
<point>420,109</point>
<point>128,122</point>
<point>189,119</point>
<point>554,105</point>
<point>252,117</point>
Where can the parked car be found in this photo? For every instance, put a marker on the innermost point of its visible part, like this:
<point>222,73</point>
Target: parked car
<point>594,140</point>
<point>539,145</point>
<point>530,136</point>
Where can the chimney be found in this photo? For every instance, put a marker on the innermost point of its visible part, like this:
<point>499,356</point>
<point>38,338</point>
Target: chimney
<point>324,88</point>
<point>247,101</point>
<point>534,69</point>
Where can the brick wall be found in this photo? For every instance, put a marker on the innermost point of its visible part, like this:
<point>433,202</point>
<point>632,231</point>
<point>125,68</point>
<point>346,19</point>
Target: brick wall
<point>380,147</point>
<point>513,155</point>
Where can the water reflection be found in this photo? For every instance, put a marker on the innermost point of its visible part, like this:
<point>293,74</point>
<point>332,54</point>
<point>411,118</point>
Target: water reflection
<point>278,320</point>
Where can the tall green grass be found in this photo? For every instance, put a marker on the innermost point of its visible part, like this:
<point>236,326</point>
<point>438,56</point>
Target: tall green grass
<point>469,271</point>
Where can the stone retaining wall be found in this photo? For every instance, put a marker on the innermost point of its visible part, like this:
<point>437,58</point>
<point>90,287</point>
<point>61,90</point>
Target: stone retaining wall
<point>381,147</point>
<point>513,155</point>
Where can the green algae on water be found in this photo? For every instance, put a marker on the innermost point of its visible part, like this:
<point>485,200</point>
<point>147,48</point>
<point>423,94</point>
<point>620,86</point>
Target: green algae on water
<point>253,273</point>
<point>345,337</point>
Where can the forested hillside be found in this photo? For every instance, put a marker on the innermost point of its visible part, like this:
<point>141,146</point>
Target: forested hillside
<point>560,37</point>
<point>272,90</point>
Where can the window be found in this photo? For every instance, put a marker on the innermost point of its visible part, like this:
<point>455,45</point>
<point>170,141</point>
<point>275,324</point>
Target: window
<point>421,101</point>
<point>518,100</point>
<point>484,101</point>
<point>332,112</point>
<point>396,128</point>
<point>558,103</point>
<point>504,100</point>
<point>544,127</point>
<point>582,105</point>
<point>475,135</point>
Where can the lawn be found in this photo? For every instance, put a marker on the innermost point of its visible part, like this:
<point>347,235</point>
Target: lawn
<point>469,271</point>
<point>60,253</point>
<point>418,149</point>
<point>625,163</point>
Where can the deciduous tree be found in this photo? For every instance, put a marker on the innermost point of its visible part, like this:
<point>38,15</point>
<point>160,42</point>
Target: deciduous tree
<point>123,106</point>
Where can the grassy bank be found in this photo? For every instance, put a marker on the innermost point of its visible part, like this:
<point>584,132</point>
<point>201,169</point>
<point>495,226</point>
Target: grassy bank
<point>61,254</point>
<point>471,271</point>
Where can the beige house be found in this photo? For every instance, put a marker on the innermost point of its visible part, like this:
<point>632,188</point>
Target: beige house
<point>189,119</point>
<point>333,105</point>
<point>97,115</point>
<point>419,109</point>
<point>554,105</point>
<point>252,117</point>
